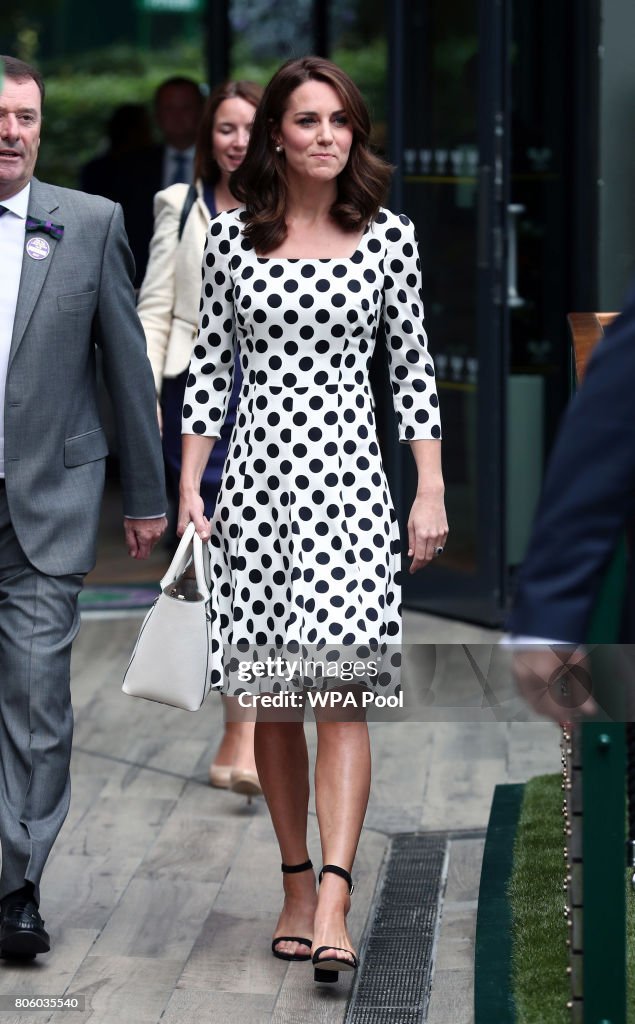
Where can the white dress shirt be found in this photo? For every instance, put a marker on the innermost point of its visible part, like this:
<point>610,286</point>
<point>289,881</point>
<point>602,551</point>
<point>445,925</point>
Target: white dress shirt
<point>171,159</point>
<point>12,225</point>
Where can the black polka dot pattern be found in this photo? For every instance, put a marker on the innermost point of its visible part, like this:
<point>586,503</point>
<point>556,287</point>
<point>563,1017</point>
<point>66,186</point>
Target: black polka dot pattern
<point>305,535</point>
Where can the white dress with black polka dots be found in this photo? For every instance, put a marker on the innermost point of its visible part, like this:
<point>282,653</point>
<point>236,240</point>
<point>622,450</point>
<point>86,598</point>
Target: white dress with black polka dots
<point>304,529</point>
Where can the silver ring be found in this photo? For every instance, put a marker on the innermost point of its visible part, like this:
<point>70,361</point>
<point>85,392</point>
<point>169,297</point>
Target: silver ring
<point>438,551</point>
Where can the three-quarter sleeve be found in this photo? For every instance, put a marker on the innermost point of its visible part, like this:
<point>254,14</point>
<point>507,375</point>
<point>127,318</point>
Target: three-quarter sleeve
<point>210,378</point>
<point>410,363</point>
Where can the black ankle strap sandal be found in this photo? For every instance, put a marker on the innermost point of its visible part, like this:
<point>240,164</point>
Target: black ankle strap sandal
<point>292,869</point>
<point>335,870</point>
<point>327,968</point>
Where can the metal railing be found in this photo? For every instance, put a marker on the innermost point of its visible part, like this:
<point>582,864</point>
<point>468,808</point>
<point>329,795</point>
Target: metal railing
<point>594,771</point>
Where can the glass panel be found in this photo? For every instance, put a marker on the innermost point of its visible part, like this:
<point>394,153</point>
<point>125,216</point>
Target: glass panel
<point>358,43</point>
<point>439,163</point>
<point>266,33</point>
<point>538,275</point>
<point>94,63</point>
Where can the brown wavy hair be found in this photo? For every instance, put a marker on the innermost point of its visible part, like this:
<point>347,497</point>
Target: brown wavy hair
<point>261,183</point>
<point>205,167</point>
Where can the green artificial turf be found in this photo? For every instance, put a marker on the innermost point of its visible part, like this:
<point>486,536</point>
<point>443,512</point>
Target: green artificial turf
<point>539,932</point>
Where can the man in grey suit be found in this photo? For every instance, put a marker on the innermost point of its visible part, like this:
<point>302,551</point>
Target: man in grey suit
<point>65,287</point>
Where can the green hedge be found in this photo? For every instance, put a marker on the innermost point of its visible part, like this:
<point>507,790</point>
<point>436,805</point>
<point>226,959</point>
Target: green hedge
<point>82,94</point>
<point>80,98</point>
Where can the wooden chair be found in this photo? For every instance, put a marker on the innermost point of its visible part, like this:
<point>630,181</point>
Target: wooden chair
<point>586,329</point>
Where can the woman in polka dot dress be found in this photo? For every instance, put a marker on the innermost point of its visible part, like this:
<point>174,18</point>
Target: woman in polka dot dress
<point>304,534</point>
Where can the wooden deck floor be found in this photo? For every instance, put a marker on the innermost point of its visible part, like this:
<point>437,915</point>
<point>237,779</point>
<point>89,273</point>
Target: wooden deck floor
<point>161,893</point>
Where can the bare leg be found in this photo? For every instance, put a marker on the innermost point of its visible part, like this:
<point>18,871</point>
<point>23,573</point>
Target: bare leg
<point>342,786</point>
<point>283,769</point>
<point>236,748</point>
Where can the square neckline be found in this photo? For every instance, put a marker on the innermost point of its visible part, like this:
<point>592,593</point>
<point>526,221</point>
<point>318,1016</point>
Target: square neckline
<point>316,259</point>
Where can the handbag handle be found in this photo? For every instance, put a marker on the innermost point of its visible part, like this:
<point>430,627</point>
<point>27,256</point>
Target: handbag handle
<point>179,563</point>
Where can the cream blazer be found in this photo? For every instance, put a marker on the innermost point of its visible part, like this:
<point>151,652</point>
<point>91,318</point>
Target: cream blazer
<point>170,295</point>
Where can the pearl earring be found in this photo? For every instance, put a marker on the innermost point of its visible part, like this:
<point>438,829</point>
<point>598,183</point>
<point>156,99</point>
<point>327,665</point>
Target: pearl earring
<point>278,149</point>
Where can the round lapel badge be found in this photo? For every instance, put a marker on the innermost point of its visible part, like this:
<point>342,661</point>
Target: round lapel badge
<point>38,248</point>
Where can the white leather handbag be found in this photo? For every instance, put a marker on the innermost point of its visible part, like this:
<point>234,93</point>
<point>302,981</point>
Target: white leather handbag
<point>171,661</point>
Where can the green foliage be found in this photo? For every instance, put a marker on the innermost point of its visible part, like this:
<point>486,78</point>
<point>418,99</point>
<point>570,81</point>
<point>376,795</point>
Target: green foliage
<point>82,93</point>
<point>368,67</point>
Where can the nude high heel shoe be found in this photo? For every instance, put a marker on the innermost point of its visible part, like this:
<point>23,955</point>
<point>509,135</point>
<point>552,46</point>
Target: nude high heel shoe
<point>219,775</point>
<point>245,781</point>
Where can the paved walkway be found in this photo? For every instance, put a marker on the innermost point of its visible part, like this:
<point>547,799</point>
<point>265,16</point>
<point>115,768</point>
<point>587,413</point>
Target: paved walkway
<point>162,893</point>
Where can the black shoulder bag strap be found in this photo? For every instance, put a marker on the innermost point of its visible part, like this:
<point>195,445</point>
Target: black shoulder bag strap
<point>190,199</point>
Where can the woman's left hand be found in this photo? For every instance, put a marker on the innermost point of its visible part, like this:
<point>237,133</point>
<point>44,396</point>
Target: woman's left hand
<point>427,528</point>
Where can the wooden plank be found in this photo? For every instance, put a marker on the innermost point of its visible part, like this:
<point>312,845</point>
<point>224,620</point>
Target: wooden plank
<point>192,1006</point>
<point>233,954</point>
<point>153,919</point>
<point>192,848</point>
<point>52,974</point>
<point>82,891</point>
<point>123,989</point>
<point>116,825</point>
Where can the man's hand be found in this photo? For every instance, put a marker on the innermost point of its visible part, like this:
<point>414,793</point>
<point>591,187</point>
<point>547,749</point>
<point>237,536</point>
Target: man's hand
<point>555,681</point>
<point>142,535</point>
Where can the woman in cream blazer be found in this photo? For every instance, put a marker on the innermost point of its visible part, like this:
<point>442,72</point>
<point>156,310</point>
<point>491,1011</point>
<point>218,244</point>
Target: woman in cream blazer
<point>168,307</point>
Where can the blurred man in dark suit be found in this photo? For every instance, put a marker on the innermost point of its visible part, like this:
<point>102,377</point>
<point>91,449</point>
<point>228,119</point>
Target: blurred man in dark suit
<point>178,105</point>
<point>587,501</point>
<point>129,129</point>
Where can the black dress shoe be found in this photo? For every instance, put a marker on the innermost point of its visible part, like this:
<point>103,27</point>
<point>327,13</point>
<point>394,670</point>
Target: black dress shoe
<point>22,932</point>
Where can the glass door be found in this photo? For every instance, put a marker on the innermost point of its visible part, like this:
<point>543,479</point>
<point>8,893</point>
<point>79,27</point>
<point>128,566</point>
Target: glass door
<point>449,142</point>
<point>540,285</point>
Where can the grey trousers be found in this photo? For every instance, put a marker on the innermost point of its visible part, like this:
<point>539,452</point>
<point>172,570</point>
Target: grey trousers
<point>39,620</point>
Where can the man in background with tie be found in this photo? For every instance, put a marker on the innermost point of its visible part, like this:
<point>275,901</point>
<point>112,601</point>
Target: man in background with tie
<point>178,106</point>
<point>65,289</point>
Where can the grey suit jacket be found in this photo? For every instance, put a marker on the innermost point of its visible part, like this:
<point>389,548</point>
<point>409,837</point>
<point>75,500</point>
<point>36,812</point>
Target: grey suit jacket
<point>77,297</point>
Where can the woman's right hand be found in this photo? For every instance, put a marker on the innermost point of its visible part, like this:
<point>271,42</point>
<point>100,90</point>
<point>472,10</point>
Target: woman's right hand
<point>196,451</point>
<point>191,509</point>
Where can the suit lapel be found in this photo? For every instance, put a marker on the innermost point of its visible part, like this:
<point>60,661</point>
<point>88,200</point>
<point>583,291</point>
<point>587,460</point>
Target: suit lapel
<point>34,272</point>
